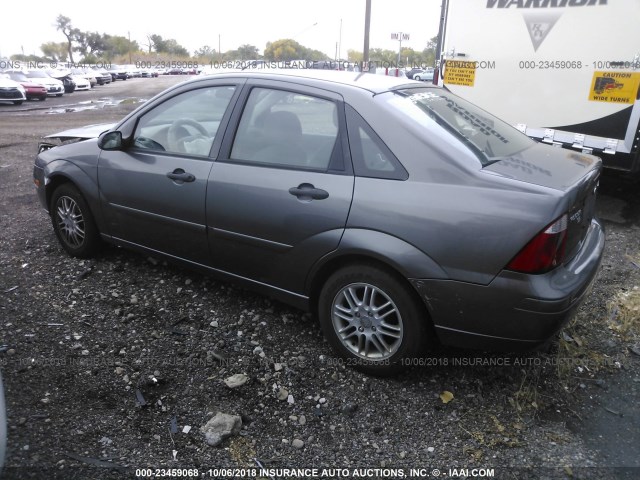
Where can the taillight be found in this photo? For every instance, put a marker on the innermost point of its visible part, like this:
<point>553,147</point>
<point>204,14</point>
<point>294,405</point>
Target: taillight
<point>545,251</point>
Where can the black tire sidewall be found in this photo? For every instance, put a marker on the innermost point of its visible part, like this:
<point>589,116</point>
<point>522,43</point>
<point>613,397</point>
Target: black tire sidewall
<point>414,317</point>
<point>91,242</point>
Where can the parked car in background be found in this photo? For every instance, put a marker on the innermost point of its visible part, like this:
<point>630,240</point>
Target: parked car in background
<point>390,72</point>
<point>65,77</point>
<point>53,85</point>
<point>149,72</point>
<point>86,74</point>
<point>102,76</point>
<point>409,73</point>
<point>399,213</point>
<point>33,91</point>
<point>132,71</point>
<point>11,91</point>
<point>424,76</point>
<point>118,73</point>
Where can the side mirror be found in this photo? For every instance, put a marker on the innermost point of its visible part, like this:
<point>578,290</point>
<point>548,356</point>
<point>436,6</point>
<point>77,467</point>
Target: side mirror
<point>110,140</point>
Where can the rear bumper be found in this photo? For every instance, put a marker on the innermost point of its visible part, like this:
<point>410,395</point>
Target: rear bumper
<point>515,311</point>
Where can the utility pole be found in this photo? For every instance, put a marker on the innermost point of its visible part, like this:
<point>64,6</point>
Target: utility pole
<point>439,45</point>
<point>367,24</point>
<point>340,42</point>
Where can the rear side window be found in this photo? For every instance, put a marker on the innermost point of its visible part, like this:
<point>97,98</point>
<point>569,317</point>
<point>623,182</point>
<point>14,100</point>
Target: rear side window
<point>286,129</point>
<point>371,157</point>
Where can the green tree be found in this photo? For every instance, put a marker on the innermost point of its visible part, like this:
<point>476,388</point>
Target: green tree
<point>160,45</point>
<point>355,56</point>
<point>429,53</point>
<point>119,45</point>
<point>284,50</point>
<point>382,57</point>
<point>248,52</point>
<point>54,51</point>
<point>206,52</point>
<point>63,24</point>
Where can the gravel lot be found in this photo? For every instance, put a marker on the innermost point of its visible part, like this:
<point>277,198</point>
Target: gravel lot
<point>115,364</point>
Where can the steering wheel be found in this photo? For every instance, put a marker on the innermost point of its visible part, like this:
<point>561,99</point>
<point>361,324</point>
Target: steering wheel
<point>178,133</point>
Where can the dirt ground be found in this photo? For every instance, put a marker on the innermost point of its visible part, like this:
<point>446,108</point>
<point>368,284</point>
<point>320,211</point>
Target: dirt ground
<point>114,364</point>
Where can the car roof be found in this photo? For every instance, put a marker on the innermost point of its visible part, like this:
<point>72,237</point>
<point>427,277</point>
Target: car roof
<point>367,81</point>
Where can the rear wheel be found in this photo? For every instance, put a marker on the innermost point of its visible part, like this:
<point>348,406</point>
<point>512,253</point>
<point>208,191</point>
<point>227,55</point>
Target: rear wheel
<point>73,222</point>
<point>371,319</point>
<point>17,102</point>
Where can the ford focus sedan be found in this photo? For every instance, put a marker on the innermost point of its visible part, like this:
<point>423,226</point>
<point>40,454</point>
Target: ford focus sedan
<point>398,213</point>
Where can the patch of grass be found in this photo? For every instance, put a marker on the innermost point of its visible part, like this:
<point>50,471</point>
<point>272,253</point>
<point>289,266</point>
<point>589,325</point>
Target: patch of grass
<point>624,313</point>
<point>527,395</point>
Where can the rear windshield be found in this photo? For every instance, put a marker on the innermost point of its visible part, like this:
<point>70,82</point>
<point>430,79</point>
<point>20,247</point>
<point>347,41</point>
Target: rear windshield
<point>487,136</point>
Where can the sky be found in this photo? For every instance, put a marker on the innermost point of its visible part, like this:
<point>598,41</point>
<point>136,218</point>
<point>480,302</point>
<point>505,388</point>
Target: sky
<point>195,23</point>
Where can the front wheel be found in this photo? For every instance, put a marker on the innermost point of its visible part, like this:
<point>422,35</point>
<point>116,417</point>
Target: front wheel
<point>73,222</point>
<point>371,319</point>
<point>18,102</point>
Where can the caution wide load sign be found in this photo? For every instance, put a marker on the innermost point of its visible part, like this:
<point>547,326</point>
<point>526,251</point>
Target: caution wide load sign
<point>458,72</point>
<point>615,87</point>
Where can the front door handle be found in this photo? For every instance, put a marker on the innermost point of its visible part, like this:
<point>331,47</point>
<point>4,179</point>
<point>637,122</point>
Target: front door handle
<point>179,175</point>
<point>307,192</point>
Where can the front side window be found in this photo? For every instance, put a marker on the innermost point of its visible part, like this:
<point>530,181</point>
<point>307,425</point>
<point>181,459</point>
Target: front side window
<point>487,136</point>
<point>186,123</point>
<point>286,129</point>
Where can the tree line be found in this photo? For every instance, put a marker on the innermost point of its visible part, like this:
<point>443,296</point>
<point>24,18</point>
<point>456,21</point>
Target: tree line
<point>91,47</point>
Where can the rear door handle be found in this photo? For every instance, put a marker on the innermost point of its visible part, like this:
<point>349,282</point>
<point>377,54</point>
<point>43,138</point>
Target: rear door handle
<point>179,175</point>
<point>307,192</point>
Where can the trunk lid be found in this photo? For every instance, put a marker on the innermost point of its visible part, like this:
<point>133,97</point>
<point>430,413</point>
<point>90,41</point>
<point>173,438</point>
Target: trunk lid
<point>573,173</point>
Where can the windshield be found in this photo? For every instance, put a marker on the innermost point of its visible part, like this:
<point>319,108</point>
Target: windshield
<point>37,74</point>
<point>489,137</point>
<point>18,77</point>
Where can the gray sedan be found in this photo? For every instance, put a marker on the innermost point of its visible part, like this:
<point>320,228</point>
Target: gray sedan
<point>397,212</point>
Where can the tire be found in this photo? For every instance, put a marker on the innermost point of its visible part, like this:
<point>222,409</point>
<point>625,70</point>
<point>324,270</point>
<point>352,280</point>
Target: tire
<point>73,222</point>
<point>18,102</point>
<point>377,345</point>
<point>416,77</point>
<point>59,94</point>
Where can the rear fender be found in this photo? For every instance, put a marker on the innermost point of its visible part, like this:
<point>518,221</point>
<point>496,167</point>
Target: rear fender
<point>397,254</point>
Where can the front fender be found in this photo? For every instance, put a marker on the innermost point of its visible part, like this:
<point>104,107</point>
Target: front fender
<point>63,171</point>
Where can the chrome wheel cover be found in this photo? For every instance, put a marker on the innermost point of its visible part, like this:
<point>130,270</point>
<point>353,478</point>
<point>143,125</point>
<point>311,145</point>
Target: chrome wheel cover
<point>70,221</point>
<point>366,321</point>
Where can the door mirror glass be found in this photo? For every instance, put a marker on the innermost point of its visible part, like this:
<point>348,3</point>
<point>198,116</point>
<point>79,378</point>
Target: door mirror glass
<point>110,141</point>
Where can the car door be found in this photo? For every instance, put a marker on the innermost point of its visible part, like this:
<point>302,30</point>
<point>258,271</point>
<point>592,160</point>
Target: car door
<point>153,192</point>
<point>280,191</point>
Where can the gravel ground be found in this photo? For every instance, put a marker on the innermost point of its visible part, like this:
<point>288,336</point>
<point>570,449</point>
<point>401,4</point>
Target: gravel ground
<point>115,364</point>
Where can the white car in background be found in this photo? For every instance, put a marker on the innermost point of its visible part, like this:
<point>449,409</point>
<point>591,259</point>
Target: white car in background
<point>11,91</point>
<point>81,82</point>
<point>85,73</point>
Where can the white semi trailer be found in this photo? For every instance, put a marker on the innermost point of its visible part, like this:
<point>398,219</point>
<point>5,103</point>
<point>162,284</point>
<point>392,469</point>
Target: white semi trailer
<point>565,72</point>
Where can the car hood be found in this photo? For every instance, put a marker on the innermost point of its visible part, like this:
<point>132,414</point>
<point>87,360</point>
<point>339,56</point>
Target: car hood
<point>46,81</point>
<point>6,83</point>
<point>546,166</point>
<point>32,85</point>
<point>82,133</point>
